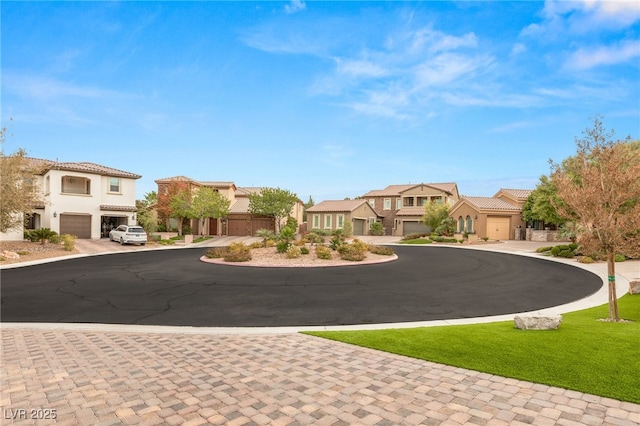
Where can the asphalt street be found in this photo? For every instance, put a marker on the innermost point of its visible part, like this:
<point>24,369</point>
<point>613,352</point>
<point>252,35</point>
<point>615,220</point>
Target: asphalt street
<point>173,287</point>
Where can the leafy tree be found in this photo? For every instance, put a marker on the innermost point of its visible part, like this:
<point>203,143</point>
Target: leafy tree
<point>19,193</point>
<point>541,204</point>
<point>147,216</point>
<point>180,207</point>
<point>434,214</point>
<point>274,202</point>
<point>307,205</point>
<point>208,203</point>
<point>600,189</point>
<point>165,196</point>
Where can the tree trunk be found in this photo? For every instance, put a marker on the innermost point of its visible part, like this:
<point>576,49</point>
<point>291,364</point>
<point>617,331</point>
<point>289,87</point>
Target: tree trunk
<point>613,299</point>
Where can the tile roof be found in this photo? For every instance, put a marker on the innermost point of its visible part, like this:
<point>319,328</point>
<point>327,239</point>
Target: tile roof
<point>396,190</point>
<point>88,167</point>
<point>241,205</point>
<point>411,211</point>
<point>83,166</point>
<point>337,206</point>
<point>175,179</point>
<point>521,194</point>
<point>490,203</point>
<point>118,208</point>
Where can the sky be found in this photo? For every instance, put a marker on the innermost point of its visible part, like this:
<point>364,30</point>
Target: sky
<point>326,99</point>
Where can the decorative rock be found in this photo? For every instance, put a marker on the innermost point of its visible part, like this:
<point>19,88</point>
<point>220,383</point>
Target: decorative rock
<point>634,287</point>
<point>9,254</point>
<point>532,322</point>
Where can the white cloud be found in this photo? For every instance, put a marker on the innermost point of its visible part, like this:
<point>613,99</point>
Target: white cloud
<point>586,58</point>
<point>360,68</point>
<point>295,6</point>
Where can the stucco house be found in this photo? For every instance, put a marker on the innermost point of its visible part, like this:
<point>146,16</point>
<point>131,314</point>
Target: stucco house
<point>239,222</point>
<point>82,199</point>
<point>401,207</point>
<point>497,218</point>
<point>333,214</point>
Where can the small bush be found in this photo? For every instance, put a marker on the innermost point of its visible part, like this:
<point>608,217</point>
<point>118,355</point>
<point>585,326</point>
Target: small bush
<point>585,259</point>
<point>168,242</point>
<point>282,246</point>
<point>382,250</point>
<point>216,252</point>
<point>293,252</point>
<point>323,252</point>
<point>69,242</point>
<point>22,252</point>
<point>573,246</point>
<point>568,253</point>
<point>620,258</point>
<point>353,252</point>
<point>543,249</point>
<point>485,238</point>
<point>304,250</point>
<point>412,237</point>
<point>256,245</point>
<point>55,239</point>
<point>237,252</point>
<point>376,228</point>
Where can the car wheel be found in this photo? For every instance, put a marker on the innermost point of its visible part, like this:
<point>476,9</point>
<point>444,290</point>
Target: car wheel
<point>142,244</point>
<point>121,241</point>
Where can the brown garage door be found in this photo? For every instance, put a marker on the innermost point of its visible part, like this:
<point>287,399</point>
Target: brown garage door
<point>76,224</point>
<point>238,227</point>
<point>258,223</point>
<point>497,228</point>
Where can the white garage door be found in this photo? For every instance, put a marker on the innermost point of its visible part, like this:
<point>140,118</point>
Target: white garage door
<point>498,228</point>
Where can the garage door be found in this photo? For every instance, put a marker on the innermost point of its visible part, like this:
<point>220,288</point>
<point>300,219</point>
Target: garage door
<point>498,228</point>
<point>76,224</point>
<point>358,226</point>
<point>238,227</point>
<point>414,228</point>
<point>258,223</point>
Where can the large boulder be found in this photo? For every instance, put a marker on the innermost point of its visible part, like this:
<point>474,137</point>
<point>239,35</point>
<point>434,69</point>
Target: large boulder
<point>537,322</point>
<point>634,286</point>
<point>9,254</point>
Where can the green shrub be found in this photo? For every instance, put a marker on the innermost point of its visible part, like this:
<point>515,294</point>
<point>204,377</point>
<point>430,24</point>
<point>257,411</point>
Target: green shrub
<point>323,252</point>
<point>543,249</point>
<point>485,238</point>
<point>2,258</point>
<point>314,238</point>
<point>31,236</point>
<point>382,250</point>
<point>69,242</point>
<point>237,252</point>
<point>168,242</point>
<point>22,252</point>
<point>585,259</point>
<point>43,235</point>
<point>266,235</point>
<point>304,250</point>
<point>293,252</point>
<point>376,228</point>
<point>413,237</point>
<point>282,246</point>
<point>568,253</point>
<point>620,258</point>
<point>257,245</point>
<point>336,241</point>
<point>573,246</point>
<point>216,252</point>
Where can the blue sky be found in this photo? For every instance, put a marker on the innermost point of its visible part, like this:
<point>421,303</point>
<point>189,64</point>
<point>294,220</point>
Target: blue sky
<point>326,99</point>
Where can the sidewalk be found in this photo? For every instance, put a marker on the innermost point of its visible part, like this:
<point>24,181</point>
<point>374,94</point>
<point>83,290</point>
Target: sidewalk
<point>111,375</point>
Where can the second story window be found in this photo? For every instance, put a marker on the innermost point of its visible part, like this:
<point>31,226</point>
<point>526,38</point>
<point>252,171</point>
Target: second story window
<point>407,202</point>
<point>387,203</point>
<point>114,184</point>
<point>76,185</point>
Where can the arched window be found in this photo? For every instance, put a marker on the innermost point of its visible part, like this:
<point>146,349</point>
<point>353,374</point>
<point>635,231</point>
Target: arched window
<point>460,224</point>
<point>469,224</point>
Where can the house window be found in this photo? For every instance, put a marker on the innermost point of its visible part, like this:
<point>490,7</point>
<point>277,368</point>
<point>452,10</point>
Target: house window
<point>327,221</point>
<point>422,201</point>
<point>437,200</point>
<point>469,224</point>
<point>372,202</point>
<point>114,184</point>
<point>398,203</point>
<point>387,203</point>
<point>372,220</point>
<point>76,185</point>
<point>316,221</point>
<point>340,219</point>
<point>408,202</point>
<point>460,224</point>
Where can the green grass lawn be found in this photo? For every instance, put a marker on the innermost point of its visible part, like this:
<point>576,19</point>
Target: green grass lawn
<point>584,354</point>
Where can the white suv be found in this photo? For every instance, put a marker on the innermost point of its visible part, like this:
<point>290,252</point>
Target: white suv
<point>125,234</point>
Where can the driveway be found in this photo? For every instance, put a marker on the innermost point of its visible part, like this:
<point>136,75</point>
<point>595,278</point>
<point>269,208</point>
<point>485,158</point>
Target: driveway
<point>172,287</point>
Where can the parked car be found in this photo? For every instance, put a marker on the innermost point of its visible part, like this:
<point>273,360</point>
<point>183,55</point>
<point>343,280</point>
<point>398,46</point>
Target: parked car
<point>126,234</point>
